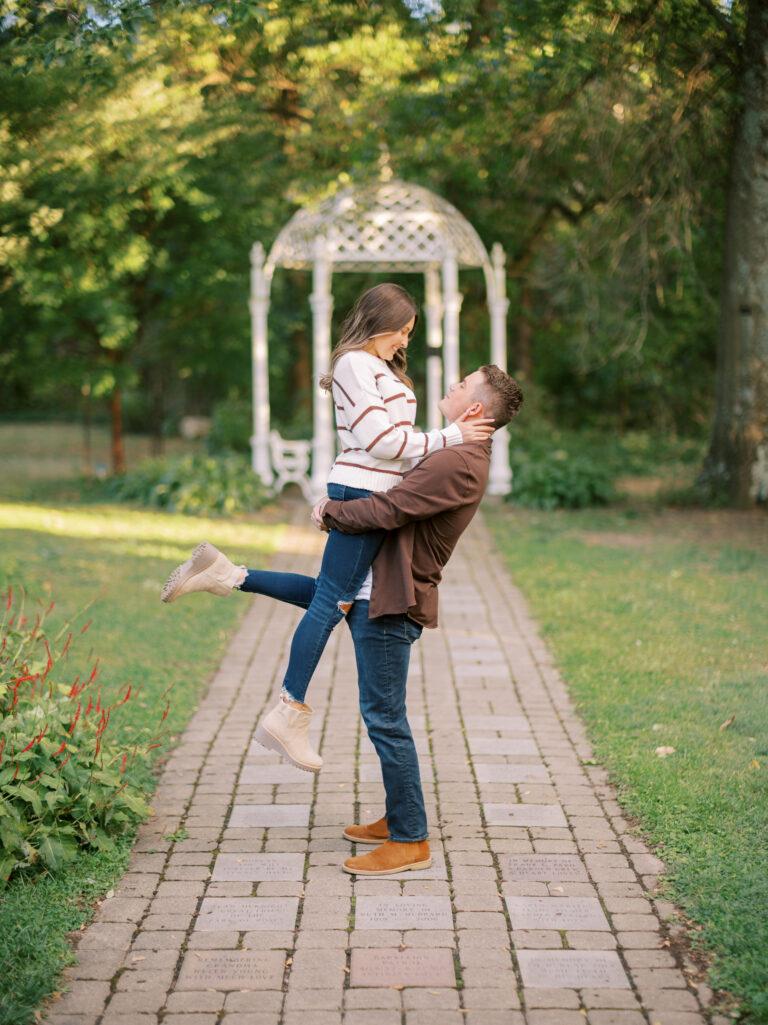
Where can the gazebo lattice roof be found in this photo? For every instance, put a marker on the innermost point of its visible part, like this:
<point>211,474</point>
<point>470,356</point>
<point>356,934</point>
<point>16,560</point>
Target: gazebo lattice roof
<point>390,225</point>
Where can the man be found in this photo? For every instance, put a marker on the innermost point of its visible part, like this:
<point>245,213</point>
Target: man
<point>425,515</point>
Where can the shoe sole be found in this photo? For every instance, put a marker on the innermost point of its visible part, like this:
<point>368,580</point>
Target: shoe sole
<point>389,871</point>
<point>202,557</point>
<point>357,839</point>
<point>271,743</point>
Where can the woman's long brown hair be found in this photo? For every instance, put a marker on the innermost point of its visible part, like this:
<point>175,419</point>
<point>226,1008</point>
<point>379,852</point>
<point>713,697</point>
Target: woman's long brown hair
<point>380,309</point>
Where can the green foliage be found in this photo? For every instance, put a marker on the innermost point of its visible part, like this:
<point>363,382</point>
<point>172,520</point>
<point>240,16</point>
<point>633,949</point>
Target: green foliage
<point>559,481</point>
<point>64,783</point>
<point>199,485</point>
<point>141,152</point>
<point>231,426</point>
<point>559,468</point>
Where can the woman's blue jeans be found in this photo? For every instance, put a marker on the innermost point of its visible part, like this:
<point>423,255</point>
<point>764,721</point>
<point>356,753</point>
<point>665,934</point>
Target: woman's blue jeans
<point>346,561</point>
<point>382,653</point>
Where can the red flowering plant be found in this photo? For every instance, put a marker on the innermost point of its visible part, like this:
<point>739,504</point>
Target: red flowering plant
<point>65,783</point>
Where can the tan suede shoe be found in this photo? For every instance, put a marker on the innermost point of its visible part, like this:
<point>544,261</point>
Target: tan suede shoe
<point>372,832</point>
<point>207,569</point>
<point>390,858</point>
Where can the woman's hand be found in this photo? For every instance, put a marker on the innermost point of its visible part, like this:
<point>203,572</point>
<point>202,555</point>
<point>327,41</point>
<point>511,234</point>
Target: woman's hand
<point>474,430</point>
<point>317,515</point>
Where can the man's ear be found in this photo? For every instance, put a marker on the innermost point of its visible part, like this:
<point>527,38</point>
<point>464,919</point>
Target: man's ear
<point>475,409</point>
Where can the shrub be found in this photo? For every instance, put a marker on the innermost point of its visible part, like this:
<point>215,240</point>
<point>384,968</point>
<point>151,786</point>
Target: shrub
<point>197,484</point>
<point>64,783</point>
<point>231,427</point>
<point>557,480</point>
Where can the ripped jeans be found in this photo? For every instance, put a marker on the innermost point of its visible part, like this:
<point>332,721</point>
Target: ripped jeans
<point>346,561</point>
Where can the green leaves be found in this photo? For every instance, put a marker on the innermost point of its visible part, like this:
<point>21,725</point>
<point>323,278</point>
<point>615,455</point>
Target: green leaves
<point>64,782</point>
<point>200,485</point>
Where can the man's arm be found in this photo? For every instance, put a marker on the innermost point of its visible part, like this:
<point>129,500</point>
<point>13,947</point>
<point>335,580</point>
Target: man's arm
<point>440,482</point>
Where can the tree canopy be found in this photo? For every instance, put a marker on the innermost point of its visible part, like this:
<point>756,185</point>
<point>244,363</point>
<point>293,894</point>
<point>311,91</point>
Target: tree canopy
<point>148,143</point>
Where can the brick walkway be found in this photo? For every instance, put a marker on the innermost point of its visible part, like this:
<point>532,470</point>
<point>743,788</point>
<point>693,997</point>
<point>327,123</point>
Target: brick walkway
<point>539,905</point>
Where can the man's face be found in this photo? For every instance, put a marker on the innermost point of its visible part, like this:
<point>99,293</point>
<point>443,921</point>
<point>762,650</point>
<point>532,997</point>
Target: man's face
<point>460,396</point>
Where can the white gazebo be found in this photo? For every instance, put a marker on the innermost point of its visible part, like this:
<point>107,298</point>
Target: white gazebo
<point>386,225</point>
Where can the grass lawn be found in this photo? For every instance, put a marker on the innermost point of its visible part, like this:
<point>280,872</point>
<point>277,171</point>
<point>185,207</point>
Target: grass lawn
<point>118,557</point>
<point>659,623</point>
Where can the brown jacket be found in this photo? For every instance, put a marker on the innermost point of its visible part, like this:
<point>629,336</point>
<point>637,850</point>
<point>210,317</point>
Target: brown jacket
<point>426,514</point>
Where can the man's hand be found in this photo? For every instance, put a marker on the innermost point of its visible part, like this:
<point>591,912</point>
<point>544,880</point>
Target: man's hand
<point>475,430</point>
<point>317,515</point>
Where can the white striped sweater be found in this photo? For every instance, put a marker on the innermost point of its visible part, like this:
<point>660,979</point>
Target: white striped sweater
<point>375,414</point>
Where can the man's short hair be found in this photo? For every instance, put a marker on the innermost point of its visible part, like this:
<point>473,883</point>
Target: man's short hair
<point>500,395</point>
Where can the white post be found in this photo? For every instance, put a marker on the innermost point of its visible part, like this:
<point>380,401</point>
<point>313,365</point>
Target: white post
<point>500,476</point>
<point>451,305</point>
<point>434,330</point>
<point>321,301</point>
<point>259,306</point>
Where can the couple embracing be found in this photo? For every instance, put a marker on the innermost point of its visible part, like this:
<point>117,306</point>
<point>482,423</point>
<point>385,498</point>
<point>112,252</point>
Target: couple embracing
<point>398,501</point>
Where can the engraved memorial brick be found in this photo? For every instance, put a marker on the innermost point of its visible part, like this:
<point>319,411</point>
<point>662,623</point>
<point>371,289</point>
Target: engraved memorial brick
<point>544,868</point>
<point>502,746</point>
<point>256,774</point>
<point>572,969</point>
<point>372,966</point>
<point>403,913</point>
<point>511,773</point>
<point>269,815</point>
<point>232,969</point>
<point>500,723</point>
<point>524,815</point>
<point>258,867</point>
<point>556,913</point>
<point>246,914</point>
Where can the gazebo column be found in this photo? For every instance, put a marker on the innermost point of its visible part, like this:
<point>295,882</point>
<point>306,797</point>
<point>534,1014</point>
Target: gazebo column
<point>321,300</point>
<point>500,475</point>
<point>434,310</point>
<point>451,305</point>
<point>259,306</point>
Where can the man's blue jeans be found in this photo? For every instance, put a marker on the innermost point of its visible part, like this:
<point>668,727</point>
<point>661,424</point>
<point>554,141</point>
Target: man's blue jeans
<point>346,561</point>
<point>382,653</point>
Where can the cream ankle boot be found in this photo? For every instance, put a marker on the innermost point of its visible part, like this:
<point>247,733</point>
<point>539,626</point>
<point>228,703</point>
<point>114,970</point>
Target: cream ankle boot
<point>207,569</point>
<point>285,730</point>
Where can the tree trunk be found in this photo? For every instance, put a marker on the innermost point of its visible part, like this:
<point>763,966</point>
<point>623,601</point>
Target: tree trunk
<point>118,450</point>
<point>736,465</point>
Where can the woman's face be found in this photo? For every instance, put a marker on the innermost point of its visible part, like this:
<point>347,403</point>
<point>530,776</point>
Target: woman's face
<point>385,345</point>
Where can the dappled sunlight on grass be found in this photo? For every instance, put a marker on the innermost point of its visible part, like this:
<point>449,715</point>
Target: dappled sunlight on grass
<point>109,523</point>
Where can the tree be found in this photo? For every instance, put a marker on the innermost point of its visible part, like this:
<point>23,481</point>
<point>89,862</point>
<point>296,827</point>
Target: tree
<point>736,467</point>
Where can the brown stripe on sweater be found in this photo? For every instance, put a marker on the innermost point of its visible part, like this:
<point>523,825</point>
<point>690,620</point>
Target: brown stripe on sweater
<point>426,443</point>
<point>411,401</point>
<point>383,433</point>
<point>365,412</point>
<point>400,395</point>
<point>373,469</point>
<point>343,391</point>
<point>405,442</point>
<point>404,423</point>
